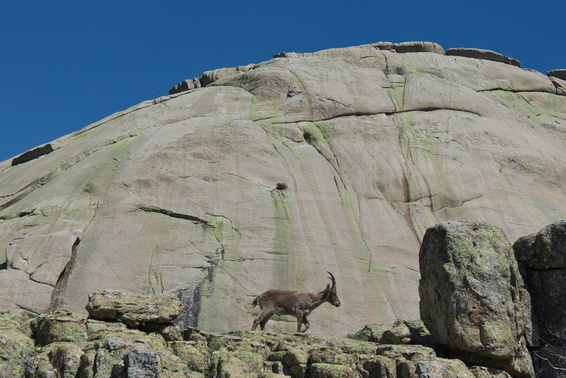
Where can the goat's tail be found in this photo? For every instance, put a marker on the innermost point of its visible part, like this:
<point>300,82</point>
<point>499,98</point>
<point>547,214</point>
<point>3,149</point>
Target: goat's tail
<point>256,301</point>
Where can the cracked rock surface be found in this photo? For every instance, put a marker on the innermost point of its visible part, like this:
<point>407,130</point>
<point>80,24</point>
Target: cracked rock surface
<point>182,194</point>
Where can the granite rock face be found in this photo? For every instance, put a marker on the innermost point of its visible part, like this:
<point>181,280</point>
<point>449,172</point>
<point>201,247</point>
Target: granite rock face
<point>473,299</point>
<point>374,145</point>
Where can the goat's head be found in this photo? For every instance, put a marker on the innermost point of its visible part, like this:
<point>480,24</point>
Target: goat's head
<point>330,292</point>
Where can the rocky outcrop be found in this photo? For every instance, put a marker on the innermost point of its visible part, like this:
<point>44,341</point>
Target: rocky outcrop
<point>560,74</point>
<point>473,299</point>
<point>542,258</point>
<point>179,195</point>
<point>558,78</point>
<point>368,50</point>
<point>410,47</point>
<point>208,78</point>
<point>33,154</point>
<point>70,345</point>
<point>483,54</point>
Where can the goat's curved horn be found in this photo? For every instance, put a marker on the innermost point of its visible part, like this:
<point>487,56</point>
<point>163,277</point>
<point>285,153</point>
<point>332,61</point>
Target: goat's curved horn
<point>332,279</point>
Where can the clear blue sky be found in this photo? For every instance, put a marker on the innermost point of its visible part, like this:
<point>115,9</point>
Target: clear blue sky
<point>66,64</point>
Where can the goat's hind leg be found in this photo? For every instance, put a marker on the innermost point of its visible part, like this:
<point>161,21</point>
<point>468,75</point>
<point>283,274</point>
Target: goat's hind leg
<point>261,319</point>
<point>264,321</point>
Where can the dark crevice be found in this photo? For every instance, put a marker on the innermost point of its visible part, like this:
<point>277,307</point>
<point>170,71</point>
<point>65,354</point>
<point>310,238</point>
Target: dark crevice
<point>26,309</point>
<point>433,109</point>
<point>172,214</point>
<point>512,91</point>
<point>28,189</point>
<point>21,214</point>
<point>529,269</point>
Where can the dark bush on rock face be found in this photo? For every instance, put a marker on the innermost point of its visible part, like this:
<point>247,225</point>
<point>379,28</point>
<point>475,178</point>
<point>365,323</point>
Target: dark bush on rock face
<point>473,299</point>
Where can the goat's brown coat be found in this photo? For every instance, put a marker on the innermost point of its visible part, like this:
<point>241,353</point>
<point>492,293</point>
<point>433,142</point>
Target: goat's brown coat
<point>295,303</point>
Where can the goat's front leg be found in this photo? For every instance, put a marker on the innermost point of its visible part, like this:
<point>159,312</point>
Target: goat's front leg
<point>306,323</point>
<point>302,319</point>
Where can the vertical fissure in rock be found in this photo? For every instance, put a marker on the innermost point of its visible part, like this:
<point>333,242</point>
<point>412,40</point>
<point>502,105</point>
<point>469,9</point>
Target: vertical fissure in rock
<point>191,299</point>
<point>62,282</point>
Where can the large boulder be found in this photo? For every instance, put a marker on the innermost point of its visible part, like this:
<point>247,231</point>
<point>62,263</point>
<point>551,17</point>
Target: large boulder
<point>134,310</point>
<point>473,299</point>
<point>542,258</point>
<point>59,327</point>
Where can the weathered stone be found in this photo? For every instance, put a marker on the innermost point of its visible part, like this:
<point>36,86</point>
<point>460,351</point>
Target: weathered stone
<point>133,310</point>
<point>333,356</point>
<point>42,257</point>
<point>141,363</point>
<point>19,292</point>
<point>371,332</point>
<point>559,84</point>
<point>208,78</point>
<point>33,154</point>
<point>95,329</point>
<point>485,372</point>
<point>16,347</point>
<point>542,257</point>
<point>185,85</point>
<point>407,352</point>
<point>411,47</point>
<point>129,351</point>
<point>405,332</point>
<point>120,352</point>
<point>195,356</point>
<point>483,54</point>
<point>321,370</point>
<point>472,296</point>
<point>59,326</point>
<point>294,360</point>
<point>560,74</point>
<point>380,367</point>
<point>441,367</point>
<point>59,359</point>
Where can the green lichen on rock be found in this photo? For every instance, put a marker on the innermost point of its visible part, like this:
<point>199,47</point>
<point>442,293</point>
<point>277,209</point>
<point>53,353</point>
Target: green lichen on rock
<point>15,349</point>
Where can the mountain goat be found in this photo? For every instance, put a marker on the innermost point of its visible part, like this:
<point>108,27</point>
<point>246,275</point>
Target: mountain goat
<point>295,303</point>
